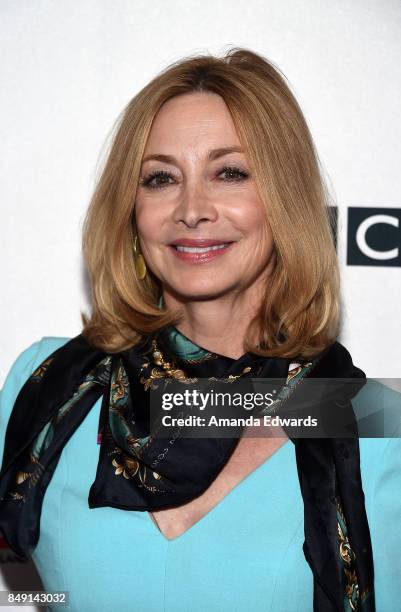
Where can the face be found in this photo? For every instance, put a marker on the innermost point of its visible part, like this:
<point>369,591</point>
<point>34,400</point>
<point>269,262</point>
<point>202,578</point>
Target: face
<point>196,192</point>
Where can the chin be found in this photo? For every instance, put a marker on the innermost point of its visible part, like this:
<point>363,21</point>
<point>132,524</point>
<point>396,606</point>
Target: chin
<point>197,291</point>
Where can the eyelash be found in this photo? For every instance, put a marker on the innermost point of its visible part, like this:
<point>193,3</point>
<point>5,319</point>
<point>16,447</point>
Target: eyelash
<point>146,182</point>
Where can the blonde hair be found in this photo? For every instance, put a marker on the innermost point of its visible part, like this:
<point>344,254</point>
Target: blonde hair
<point>299,316</point>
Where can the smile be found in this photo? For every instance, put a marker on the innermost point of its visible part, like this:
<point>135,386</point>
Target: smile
<point>200,249</point>
<point>200,254</point>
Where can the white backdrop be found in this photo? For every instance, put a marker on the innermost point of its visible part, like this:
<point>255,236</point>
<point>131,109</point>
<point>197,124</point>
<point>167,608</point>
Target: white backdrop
<point>69,68</point>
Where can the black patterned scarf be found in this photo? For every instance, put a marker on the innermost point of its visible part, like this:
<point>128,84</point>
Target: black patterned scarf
<point>63,389</point>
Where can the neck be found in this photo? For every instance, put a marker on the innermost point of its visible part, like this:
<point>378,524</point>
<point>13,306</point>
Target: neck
<point>219,325</point>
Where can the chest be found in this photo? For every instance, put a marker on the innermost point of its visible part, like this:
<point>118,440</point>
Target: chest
<point>248,455</point>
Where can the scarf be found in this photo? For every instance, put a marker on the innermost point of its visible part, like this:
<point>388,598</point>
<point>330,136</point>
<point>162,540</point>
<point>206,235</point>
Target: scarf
<point>63,389</point>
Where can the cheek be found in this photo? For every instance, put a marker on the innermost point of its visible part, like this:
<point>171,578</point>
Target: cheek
<point>250,215</point>
<point>257,230</point>
<point>148,221</point>
<point>258,219</point>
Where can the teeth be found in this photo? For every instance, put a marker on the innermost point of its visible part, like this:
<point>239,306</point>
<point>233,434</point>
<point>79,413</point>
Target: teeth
<point>200,249</point>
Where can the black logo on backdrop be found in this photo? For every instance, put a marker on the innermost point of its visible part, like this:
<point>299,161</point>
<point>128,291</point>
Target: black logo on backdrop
<point>374,237</point>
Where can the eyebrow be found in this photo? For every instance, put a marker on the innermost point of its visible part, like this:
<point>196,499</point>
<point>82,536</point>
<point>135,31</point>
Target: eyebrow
<point>212,155</point>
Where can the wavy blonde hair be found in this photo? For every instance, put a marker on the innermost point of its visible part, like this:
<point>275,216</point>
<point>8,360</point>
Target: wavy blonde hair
<point>299,316</point>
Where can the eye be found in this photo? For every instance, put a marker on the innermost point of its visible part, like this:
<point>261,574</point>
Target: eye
<point>158,174</point>
<point>234,174</point>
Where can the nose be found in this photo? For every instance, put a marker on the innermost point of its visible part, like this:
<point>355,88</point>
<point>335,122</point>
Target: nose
<point>194,205</point>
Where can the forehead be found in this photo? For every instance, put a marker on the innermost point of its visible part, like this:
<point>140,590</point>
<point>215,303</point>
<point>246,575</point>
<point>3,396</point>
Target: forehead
<point>193,120</point>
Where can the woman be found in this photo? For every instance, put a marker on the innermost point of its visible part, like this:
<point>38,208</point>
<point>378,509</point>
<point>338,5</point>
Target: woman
<point>209,249</point>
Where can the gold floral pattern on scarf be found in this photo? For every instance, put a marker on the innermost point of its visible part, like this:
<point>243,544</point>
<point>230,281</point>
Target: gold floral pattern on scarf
<point>38,374</point>
<point>351,597</point>
<point>155,374</point>
<point>119,387</point>
<point>17,496</point>
<point>168,369</point>
<point>31,477</point>
<point>128,467</point>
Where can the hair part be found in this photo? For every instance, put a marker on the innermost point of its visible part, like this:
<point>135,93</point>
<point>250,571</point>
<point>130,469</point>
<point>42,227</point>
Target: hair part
<point>299,315</point>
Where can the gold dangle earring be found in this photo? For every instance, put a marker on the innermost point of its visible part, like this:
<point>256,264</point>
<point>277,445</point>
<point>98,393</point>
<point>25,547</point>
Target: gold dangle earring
<point>140,265</point>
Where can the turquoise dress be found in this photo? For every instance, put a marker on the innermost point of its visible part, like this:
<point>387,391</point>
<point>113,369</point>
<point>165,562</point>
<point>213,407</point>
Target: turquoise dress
<point>244,555</point>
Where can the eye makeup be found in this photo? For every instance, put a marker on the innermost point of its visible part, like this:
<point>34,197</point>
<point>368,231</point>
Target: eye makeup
<point>234,172</point>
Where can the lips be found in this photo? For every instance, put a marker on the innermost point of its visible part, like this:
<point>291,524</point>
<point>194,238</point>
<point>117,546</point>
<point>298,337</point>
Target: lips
<point>200,251</point>
<point>199,242</point>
